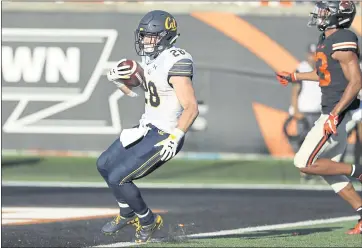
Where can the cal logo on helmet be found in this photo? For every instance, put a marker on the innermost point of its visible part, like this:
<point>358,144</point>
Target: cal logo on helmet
<point>170,24</point>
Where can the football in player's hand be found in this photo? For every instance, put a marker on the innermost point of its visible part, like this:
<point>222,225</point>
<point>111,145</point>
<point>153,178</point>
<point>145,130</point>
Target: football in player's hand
<point>137,76</point>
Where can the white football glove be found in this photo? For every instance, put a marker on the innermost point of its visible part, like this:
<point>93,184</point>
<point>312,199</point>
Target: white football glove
<point>119,72</point>
<point>170,144</point>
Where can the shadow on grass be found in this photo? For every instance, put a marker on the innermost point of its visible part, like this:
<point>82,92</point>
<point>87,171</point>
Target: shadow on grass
<point>20,162</point>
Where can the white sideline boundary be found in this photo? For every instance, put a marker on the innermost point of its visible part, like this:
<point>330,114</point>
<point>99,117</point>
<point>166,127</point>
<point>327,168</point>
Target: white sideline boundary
<point>171,185</point>
<point>249,229</point>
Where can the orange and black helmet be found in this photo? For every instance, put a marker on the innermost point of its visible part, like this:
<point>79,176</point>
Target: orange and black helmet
<point>332,14</point>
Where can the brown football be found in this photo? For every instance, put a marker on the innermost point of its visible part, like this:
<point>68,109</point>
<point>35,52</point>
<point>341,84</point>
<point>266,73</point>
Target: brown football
<point>137,76</point>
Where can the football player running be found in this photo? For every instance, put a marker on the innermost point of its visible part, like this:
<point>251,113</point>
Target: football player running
<point>170,109</point>
<point>339,75</point>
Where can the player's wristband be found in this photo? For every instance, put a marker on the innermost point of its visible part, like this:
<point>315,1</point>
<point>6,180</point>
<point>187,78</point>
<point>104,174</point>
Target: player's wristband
<point>294,76</point>
<point>177,134</point>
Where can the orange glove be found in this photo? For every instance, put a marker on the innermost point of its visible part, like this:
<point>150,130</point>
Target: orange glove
<point>285,77</point>
<point>330,126</point>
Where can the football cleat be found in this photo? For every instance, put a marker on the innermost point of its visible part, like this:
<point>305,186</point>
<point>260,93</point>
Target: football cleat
<point>118,223</point>
<point>357,228</point>
<point>144,233</point>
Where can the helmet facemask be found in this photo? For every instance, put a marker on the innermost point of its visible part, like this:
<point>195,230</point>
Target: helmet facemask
<point>152,44</point>
<point>320,16</point>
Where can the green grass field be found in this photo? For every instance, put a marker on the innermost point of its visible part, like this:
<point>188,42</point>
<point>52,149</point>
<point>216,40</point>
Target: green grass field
<point>328,235</point>
<point>80,169</point>
<point>264,171</point>
<point>176,171</point>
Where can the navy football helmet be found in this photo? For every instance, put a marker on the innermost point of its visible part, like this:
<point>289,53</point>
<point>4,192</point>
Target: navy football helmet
<point>156,32</point>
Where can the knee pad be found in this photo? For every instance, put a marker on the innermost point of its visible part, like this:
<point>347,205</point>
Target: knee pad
<point>300,161</point>
<point>337,182</point>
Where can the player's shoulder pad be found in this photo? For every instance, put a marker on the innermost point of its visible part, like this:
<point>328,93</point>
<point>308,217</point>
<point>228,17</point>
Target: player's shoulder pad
<point>180,63</point>
<point>345,40</point>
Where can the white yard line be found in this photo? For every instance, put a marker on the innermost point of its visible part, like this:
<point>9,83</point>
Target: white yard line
<point>119,244</point>
<point>170,185</point>
<point>250,229</point>
<point>273,227</point>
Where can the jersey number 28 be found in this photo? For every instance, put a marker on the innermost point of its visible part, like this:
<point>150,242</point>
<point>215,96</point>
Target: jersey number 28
<point>153,98</point>
<point>177,52</point>
<point>325,79</point>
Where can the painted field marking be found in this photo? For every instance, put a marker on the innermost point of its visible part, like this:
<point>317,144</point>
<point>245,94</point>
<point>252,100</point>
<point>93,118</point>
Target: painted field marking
<point>41,215</point>
<point>250,229</point>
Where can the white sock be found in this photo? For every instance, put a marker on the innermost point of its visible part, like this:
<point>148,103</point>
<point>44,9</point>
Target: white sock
<point>143,215</point>
<point>123,205</point>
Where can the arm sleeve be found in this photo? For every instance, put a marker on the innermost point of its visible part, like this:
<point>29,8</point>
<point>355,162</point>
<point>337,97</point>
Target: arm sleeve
<point>183,67</point>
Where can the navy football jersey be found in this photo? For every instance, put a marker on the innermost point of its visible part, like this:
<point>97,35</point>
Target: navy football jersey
<point>331,77</point>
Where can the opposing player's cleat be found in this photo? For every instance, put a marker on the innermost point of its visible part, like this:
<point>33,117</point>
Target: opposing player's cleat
<point>357,228</point>
<point>118,223</point>
<point>144,233</point>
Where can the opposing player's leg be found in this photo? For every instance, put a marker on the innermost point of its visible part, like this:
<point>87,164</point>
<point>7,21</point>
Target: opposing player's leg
<point>350,126</point>
<point>348,193</point>
<point>308,178</point>
<point>358,145</point>
<point>317,147</point>
<point>308,158</point>
<point>357,121</point>
<point>344,188</point>
<point>107,162</point>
